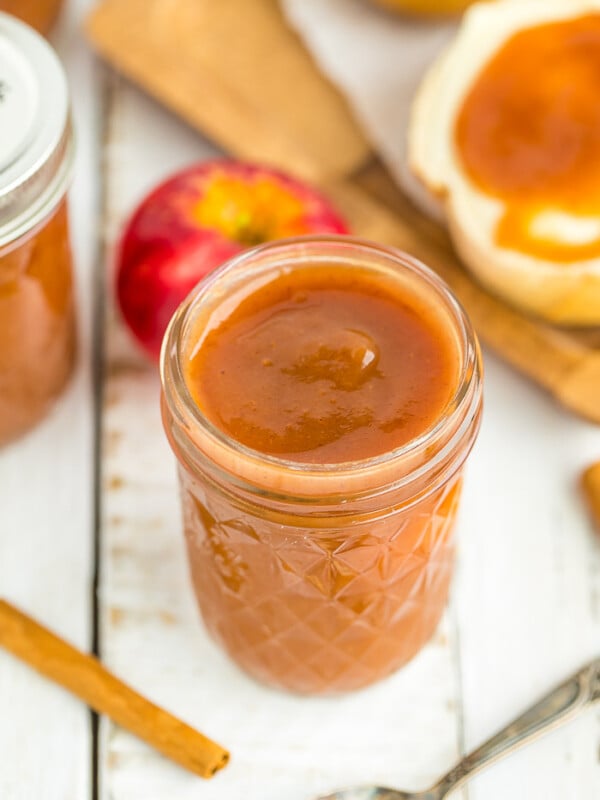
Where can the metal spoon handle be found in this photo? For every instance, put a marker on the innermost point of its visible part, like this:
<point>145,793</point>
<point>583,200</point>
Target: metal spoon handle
<point>556,707</point>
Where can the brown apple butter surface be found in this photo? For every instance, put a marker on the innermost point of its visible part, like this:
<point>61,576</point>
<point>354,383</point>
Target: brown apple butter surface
<point>326,365</point>
<point>528,133</point>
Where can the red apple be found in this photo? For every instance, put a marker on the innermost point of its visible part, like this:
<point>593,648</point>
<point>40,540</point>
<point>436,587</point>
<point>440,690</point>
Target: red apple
<point>198,219</point>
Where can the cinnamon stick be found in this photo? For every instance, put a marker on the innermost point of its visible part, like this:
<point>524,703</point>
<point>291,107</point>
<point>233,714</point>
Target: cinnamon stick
<point>84,676</point>
<point>591,489</point>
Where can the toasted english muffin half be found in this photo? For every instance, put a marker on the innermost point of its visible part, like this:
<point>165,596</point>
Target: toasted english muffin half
<point>524,271</point>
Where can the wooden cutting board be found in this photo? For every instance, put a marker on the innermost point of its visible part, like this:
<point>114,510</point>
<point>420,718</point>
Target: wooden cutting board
<point>237,72</point>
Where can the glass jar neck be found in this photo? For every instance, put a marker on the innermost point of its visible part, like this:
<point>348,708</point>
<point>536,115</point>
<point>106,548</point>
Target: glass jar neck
<point>401,475</point>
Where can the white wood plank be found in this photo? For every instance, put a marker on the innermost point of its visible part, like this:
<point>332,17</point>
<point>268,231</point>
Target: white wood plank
<point>528,586</point>
<point>403,731</point>
<point>46,512</point>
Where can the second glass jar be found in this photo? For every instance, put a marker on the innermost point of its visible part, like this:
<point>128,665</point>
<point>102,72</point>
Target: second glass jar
<point>37,314</point>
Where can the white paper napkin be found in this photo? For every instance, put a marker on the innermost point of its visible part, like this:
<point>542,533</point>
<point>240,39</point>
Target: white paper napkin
<point>377,60</point>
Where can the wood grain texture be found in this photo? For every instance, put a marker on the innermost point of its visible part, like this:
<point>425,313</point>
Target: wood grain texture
<point>230,70</point>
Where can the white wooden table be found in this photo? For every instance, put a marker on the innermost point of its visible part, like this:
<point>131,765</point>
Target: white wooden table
<point>88,501</point>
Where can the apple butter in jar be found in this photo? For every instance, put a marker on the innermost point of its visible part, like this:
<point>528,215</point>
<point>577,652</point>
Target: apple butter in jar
<point>321,395</point>
<point>37,322</point>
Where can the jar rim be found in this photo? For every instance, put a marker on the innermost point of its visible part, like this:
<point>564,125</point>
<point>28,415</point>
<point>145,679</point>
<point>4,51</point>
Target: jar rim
<point>37,149</point>
<point>465,402</point>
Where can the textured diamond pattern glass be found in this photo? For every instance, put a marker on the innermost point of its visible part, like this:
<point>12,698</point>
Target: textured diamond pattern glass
<point>319,610</point>
<point>319,577</point>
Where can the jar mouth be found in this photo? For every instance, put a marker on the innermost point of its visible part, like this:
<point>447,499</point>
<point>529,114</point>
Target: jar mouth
<point>462,407</point>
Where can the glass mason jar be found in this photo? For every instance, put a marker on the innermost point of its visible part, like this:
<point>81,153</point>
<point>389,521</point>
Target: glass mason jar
<point>37,323</point>
<point>319,578</point>
<point>40,14</point>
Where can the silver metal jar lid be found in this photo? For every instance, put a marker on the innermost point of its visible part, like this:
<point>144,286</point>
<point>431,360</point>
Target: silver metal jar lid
<point>36,143</point>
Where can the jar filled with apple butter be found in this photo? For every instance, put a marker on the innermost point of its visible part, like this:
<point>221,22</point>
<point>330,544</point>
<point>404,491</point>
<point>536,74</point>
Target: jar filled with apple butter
<point>37,321</point>
<point>321,396</point>
<point>40,14</point>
